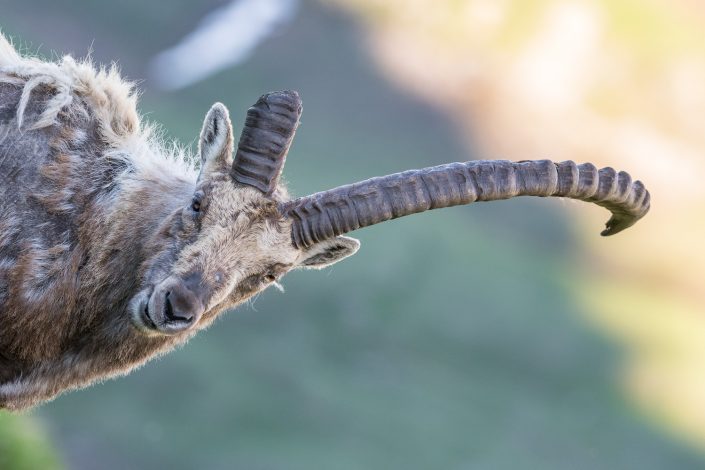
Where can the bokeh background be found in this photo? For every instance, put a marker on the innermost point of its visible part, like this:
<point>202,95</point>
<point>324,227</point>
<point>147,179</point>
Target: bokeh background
<point>498,335</point>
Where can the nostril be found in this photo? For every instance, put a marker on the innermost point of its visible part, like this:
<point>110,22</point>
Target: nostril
<point>173,315</point>
<point>168,308</point>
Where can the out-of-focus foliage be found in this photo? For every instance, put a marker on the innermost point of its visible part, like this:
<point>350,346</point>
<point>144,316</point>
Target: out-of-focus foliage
<point>23,445</point>
<point>451,340</point>
<point>616,82</point>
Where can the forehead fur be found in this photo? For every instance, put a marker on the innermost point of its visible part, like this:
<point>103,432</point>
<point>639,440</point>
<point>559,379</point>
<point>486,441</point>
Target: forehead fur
<point>224,197</point>
<point>252,213</point>
<point>242,220</point>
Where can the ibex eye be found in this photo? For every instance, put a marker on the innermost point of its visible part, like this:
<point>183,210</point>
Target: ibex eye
<point>269,278</point>
<point>196,205</point>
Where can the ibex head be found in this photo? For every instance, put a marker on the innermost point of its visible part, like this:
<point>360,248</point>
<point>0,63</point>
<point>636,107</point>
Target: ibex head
<point>239,233</point>
<point>234,237</point>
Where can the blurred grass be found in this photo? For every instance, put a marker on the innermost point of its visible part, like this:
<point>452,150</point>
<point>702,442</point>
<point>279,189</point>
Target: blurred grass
<point>379,363</point>
<point>665,373</point>
<point>24,446</point>
<point>617,83</point>
<point>652,33</point>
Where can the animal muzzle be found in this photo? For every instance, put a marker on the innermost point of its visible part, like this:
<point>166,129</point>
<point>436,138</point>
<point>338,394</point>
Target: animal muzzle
<point>175,305</point>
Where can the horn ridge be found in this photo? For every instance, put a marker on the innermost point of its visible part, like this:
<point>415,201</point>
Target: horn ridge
<point>340,210</point>
<point>269,129</point>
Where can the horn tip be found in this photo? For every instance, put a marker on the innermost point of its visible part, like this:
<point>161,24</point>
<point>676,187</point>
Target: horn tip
<point>289,99</point>
<point>618,223</point>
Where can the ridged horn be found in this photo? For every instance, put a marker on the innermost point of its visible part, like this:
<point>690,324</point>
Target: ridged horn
<point>346,208</point>
<point>270,126</point>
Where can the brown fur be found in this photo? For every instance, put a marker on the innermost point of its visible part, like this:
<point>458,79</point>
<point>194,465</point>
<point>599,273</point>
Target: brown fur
<point>97,215</point>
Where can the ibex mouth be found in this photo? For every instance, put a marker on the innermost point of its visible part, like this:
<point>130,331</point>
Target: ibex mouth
<point>140,315</point>
<point>146,318</point>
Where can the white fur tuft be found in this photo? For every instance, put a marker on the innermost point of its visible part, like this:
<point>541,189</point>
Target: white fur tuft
<point>111,100</point>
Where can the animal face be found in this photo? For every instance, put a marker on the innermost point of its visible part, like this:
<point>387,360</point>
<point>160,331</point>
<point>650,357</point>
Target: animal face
<point>224,245</point>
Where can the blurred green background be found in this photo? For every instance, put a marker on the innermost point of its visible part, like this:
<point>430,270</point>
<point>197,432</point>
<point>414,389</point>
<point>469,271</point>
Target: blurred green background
<point>455,339</point>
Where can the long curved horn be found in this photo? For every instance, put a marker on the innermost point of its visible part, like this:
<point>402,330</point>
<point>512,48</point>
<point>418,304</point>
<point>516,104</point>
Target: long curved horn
<point>269,129</point>
<point>330,213</point>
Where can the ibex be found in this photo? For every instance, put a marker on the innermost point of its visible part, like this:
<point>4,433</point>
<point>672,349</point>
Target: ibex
<point>114,249</point>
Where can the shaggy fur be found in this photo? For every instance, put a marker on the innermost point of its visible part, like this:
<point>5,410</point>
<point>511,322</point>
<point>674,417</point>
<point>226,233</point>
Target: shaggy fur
<point>96,215</point>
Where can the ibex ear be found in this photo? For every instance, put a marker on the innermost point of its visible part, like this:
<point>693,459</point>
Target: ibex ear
<point>216,143</point>
<point>328,252</point>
